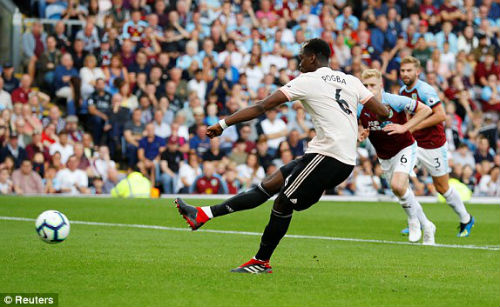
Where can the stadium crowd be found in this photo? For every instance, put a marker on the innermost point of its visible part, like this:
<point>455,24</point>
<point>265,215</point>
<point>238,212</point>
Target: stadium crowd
<point>137,85</point>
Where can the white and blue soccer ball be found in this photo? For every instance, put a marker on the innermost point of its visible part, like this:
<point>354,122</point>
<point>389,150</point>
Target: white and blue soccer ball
<point>52,226</point>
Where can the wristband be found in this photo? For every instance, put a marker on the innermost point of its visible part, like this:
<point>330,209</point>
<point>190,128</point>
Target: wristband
<point>223,124</point>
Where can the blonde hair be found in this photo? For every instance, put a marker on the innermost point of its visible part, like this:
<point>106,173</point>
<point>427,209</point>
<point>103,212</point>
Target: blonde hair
<point>411,60</point>
<point>371,73</point>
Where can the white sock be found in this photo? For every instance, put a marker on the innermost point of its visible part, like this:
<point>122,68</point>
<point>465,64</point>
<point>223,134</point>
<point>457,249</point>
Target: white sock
<point>455,202</point>
<point>208,212</point>
<point>408,205</point>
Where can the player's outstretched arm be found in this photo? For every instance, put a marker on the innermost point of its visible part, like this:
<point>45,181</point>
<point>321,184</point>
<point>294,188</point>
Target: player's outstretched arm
<point>421,113</point>
<point>248,113</point>
<point>438,116</point>
<point>378,108</point>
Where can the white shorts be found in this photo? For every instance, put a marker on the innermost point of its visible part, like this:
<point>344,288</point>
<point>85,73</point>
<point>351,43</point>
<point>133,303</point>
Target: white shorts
<point>403,162</point>
<point>435,161</point>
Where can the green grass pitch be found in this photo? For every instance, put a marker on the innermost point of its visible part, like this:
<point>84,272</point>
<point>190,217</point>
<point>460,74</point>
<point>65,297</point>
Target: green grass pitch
<point>101,265</point>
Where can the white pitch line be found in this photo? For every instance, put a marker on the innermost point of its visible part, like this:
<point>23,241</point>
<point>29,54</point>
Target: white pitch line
<point>248,233</point>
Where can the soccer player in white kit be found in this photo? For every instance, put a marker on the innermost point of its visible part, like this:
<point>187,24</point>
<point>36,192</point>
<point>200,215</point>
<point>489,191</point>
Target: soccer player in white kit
<point>331,98</point>
<point>396,149</point>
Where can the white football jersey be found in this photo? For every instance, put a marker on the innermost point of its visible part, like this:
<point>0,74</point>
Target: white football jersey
<point>331,98</point>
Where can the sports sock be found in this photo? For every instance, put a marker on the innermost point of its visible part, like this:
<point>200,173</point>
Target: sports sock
<point>407,201</point>
<point>252,198</point>
<point>275,230</point>
<point>419,211</point>
<point>455,202</point>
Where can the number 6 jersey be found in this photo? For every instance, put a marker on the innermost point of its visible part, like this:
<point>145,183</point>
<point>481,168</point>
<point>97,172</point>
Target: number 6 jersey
<point>331,98</point>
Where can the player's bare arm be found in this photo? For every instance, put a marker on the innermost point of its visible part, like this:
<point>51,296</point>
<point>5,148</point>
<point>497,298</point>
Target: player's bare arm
<point>438,116</point>
<point>421,113</point>
<point>248,113</point>
<point>378,108</point>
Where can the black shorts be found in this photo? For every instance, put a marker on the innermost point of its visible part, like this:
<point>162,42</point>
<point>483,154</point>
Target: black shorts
<point>307,178</point>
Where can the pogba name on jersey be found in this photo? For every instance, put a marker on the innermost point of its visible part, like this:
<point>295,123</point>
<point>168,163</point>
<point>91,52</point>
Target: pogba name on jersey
<point>334,78</point>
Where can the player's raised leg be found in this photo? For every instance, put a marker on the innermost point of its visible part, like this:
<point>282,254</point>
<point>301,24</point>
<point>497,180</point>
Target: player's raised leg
<point>311,176</point>
<point>252,198</point>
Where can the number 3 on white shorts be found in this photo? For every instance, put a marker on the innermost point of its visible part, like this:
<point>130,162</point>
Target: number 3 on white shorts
<point>438,164</point>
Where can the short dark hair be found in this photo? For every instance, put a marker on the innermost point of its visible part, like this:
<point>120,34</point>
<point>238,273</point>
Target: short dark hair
<point>318,47</point>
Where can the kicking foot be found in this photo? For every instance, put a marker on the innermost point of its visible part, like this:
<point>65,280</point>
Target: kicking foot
<point>429,232</point>
<point>414,232</point>
<point>465,229</point>
<point>194,216</point>
<point>254,266</point>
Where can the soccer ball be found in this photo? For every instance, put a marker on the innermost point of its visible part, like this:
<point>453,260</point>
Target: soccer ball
<point>52,226</point>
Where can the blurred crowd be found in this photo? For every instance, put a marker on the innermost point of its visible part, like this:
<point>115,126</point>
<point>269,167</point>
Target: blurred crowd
<point>136,86</point>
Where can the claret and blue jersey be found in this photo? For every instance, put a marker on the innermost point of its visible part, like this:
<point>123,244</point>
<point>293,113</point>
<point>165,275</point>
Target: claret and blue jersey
<point>431,137</point>
<point>387,146</point>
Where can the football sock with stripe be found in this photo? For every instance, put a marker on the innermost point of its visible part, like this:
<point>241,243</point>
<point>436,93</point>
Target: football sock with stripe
<point>252,198</point>
<point>455,202</point>
<point>275,230</point>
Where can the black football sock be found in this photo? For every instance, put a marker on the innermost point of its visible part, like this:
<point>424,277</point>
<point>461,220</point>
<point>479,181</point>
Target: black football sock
<point>275,230</point>
<point>252,198</point>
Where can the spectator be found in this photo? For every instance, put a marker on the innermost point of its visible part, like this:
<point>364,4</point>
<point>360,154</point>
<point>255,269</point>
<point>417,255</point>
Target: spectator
<point>133,133</point>
<point>274,129</point>
<point>10,82</point>
<point>200,142</point>
<point>250,173</point>
<point>297,145</point>
<point>220,85</point>
<point>208,182</point>
<point>99,104</point>
<point>33,44</point>
<point>62,77</point>
<point>490,94</point>
<point>6,186</point>
<point>13,150</point>
<point>149,151</point>
<point>490,183</point>
<point>90,74</point>
<point>37,146</point>
<point>162,129</point>
<point>62,146</point>
<point>365,183</point>
<point>89,36</point>
<point>169,166</point>
<point>71,179</point>
<point>75,135</point>
<point>48,62</point>
<point>214,153</point>
<point>188,172</point>
<point>27,181</point>
<point>21,94</point>
<point>134,28</point>
<point>483,151</point>
<point>55,119</point>
<point>381,37</point>
<point>78,54</point>
<point>347,20</point>
<point>82,162</point>
<point>462,156</point>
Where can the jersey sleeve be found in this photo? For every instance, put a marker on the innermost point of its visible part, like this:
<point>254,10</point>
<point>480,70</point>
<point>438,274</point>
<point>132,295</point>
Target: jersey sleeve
<point>428,95</point>
<point>295,89</point>
<point>400,103</point>
<point>360,108</point>
<point>364,94</point>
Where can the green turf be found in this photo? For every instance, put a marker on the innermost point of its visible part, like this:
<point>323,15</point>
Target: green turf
<point>117,266</point>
